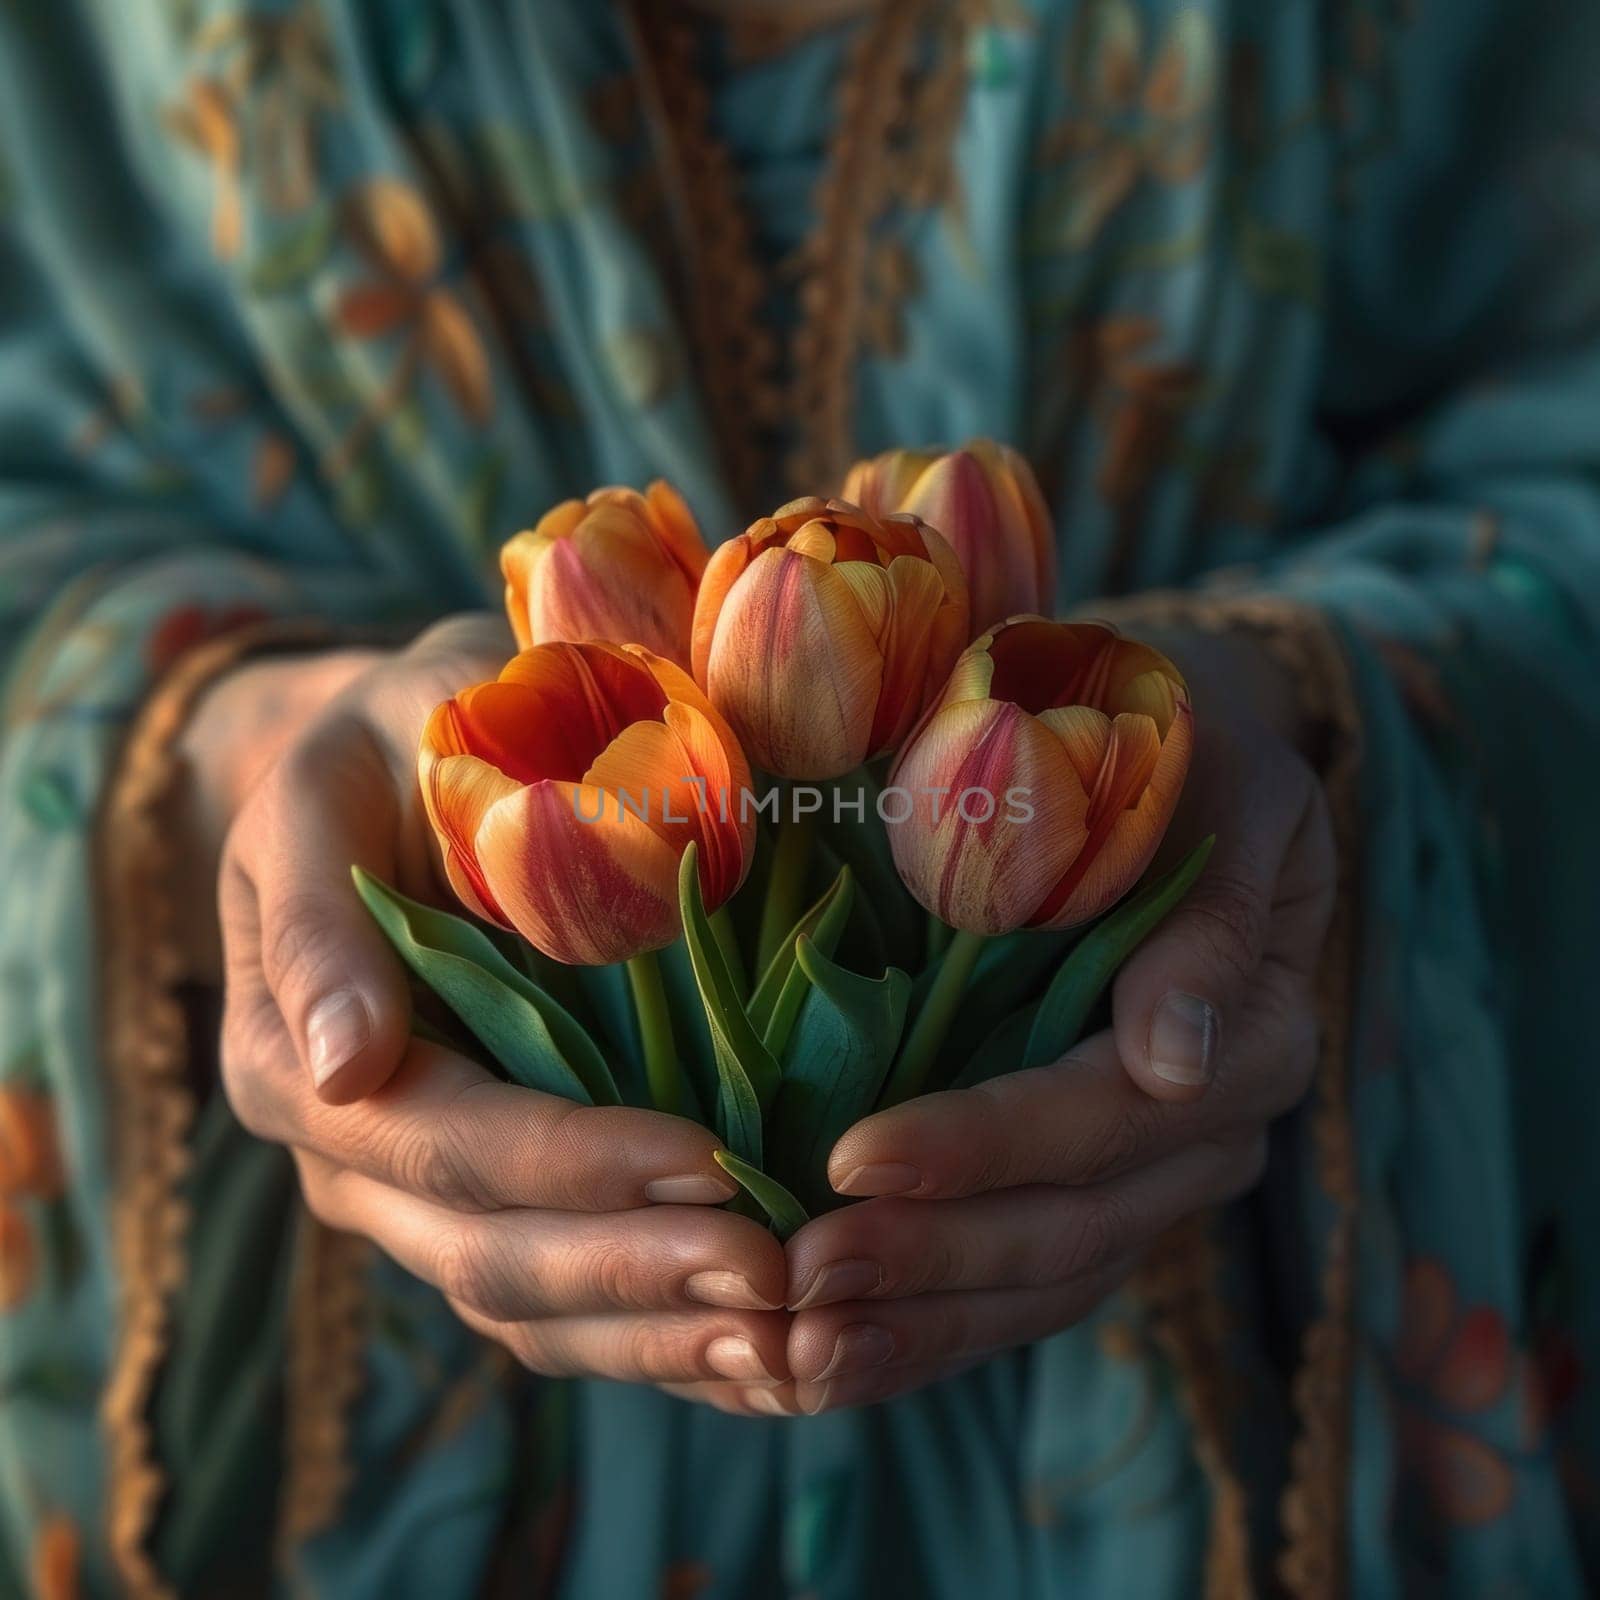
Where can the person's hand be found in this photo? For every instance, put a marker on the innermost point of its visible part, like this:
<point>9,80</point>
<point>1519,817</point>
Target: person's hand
<point>581,1238</point>
<point>1009,1210</point>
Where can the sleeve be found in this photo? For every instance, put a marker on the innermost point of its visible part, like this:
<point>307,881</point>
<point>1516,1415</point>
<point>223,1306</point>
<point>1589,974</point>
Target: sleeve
<point>155,523</point>
<point>1445,631</point>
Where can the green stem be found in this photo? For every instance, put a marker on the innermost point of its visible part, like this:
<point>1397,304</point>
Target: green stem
<point>938,940</point>
<point>728,943</point>
<point>933,1020</point>
<point>786,888</point>
<point>655,1029</point>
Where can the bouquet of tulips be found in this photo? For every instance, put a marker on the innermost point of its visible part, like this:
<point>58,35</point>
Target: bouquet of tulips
<point>777,835</point>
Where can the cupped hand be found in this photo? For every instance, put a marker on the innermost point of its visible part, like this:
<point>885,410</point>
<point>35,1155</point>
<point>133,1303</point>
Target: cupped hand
<point>1004,1213</point>
<point>582,1238</point>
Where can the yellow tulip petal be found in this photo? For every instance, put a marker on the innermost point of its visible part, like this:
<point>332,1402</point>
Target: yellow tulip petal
<point>585,892</point>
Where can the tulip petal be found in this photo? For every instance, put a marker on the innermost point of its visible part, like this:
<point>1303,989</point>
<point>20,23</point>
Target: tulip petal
<point>679,532</point>
<point>612,580</point>
<point>1084,734</point>
<point>727,826</point>
<point>986,876</point>
<point>1112,864</point>
<point>916,660</point>
<point>727,565</point>
<point>647,769</point>
<point>457,792</point>
<point>584,892</point>
<point>594,689</point>
<point>794,667</point>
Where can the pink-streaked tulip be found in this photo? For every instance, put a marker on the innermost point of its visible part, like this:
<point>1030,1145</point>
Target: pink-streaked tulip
<point>565,793</point>
<point>985,500</point>
<point>1043,779</point>
<point>822,631</point>
<point>620,566</point>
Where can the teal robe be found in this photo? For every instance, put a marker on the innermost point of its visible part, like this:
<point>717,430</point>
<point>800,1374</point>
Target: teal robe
<point>1296,309</point>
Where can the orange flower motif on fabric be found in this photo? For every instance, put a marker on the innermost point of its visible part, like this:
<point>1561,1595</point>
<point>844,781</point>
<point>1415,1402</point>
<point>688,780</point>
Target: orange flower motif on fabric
<point>19,1256</point>
<point>391,227</point>
<point>206,119</point>
<point>1136,115</point>
<point>1457,1362</point>
<point>56,1562</point>
<point>30,1152</point>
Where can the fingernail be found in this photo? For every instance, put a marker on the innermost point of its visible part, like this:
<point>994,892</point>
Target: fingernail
<point>1183,1039</point>
<point>765,1400</point>
<point>840,1280</point>
<point>859,1347</point>
<point>337,1029</point>
<point>733,1357</point>
<point>692,1189</point>
<point>726,1289</point>
<point>883,1177</point>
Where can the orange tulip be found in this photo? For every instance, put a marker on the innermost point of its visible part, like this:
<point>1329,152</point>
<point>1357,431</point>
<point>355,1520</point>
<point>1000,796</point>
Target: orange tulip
<point>822,631</point>
<point>565,793</point>
<point>1042,781</point>
<point>30,1154</point>
<point>620,566</point>
<point>985,500</point>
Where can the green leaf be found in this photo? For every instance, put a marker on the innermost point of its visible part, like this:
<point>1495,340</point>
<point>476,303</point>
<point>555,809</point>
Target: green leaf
<point>1086,973</point>
<point>863,846</point>
<point>533,1038</point>
<point>292,259</point>
<point>787,1214</point>
<point>776,1002</point>
<point>843,1047</point>
<point>746,1073</point>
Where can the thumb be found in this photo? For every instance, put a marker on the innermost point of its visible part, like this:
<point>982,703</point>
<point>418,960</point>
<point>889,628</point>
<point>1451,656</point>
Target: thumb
<point>340,989</point>
<point>1172,997</point>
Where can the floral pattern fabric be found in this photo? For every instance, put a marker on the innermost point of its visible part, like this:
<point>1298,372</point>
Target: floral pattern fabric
<point>306,304</point>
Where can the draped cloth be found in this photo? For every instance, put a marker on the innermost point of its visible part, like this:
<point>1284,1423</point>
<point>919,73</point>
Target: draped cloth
<point>305,305</point>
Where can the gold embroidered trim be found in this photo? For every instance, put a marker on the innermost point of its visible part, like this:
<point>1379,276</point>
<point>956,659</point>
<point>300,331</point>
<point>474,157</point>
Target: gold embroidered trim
<point>1313,1510</point>
<point>327,1332</point>
<point>145,1039</point>
<point>892,144</point>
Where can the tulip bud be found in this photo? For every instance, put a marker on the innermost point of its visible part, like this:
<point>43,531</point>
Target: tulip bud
<point>1044,777</point>
<point>565,793</point>
<point>986,502</point>
<point>619,566</point>
<point>822,631</point>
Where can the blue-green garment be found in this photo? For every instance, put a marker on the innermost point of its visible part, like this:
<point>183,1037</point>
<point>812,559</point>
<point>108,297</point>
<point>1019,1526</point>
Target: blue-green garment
<point>1295,307</point>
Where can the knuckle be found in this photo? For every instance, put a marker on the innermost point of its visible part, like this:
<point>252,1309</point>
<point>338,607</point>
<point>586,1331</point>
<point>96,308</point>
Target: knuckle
<point>1099,1233</point>
<point>660,1355</point>
<point>1228,920</point>
<point>1106,1144</point>
<point>467,1269</point>
<point>610,1273</point>
<point>430,1161</point>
